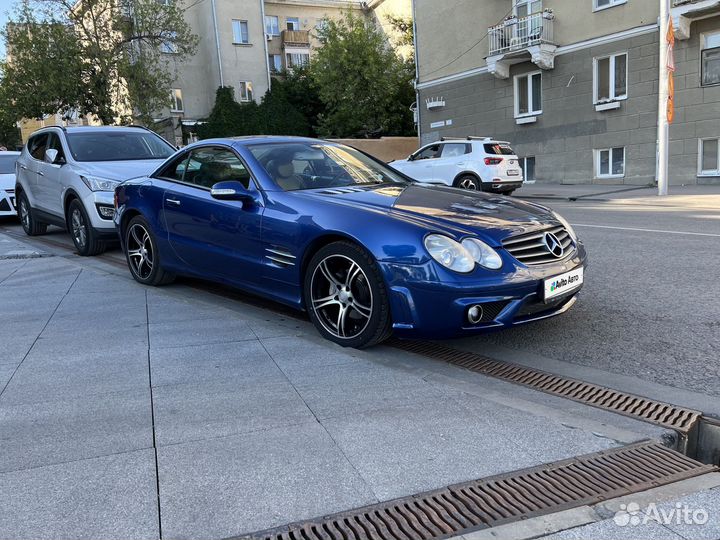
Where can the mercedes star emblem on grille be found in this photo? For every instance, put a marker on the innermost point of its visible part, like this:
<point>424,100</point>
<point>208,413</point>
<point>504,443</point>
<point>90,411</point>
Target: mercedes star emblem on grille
<point>553,244</point>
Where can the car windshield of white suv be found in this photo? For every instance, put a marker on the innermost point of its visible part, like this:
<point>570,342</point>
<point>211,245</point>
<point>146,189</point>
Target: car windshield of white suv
<point>295,166</point>
<point>7,164</point>
<point>117,146</point>
<point>499,149</point>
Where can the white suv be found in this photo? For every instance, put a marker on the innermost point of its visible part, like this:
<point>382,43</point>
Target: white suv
<point>67,177</point>
<point>474,163</point>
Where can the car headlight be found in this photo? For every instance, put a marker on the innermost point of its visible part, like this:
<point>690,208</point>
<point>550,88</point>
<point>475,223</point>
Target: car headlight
<point>99,184</point>
<point>567,226</point>
<point>483,254</point>
<point>449,253</point>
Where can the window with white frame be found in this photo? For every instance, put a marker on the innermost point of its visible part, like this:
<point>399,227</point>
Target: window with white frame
<point>523,8</point>
<point>527,164</point>
<point>528,94</point>
<point>610,162</point>
<point>610,77</point>
<point>245,91</point>
<point>708,164</point>
<point>296,59</point>
<point>272,25</point>
<point>602,4</point>
<point>710,59</point>
<point>176,100</point>
<point>293,23</point>
<point>240,32</point>
<point>275,62</point>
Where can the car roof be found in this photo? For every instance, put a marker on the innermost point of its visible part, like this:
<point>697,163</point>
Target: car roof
<point>90,129</point>
<point>248,140</point>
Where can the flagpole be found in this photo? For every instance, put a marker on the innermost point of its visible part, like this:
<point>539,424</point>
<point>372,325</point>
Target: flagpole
<point>662,136</point>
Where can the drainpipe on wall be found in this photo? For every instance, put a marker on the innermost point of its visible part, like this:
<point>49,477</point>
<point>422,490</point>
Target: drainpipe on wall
<point>267,59</point>
<point>217,42</point>
<point>417,69</point>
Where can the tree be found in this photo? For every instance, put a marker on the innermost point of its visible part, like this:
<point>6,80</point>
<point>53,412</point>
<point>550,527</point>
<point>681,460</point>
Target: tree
<point>404,32</point>
<point>94,57</point>
<point>365,86</point>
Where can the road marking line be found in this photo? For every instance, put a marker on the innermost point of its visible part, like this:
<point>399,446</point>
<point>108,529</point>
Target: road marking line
<point>645,230</point>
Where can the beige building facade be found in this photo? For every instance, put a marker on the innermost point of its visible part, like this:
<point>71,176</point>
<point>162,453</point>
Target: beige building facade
<point>572,84</point>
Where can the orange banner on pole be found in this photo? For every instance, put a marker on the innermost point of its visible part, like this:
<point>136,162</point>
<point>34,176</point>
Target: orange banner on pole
<point>671,71</point>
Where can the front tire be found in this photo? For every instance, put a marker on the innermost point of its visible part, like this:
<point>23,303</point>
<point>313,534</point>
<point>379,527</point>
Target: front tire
<point>82,232</point>
<point>30,225</point>
<point>468,182</point>
<point>346,297</point>
<point>142,254</point>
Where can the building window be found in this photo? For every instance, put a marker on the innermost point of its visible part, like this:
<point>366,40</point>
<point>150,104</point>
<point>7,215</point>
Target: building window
<point>527,164</point>
<point>611,78</point>
<point>168,46</point>
<point>293,23</point>
<point>297,59</point>
<point>528,94</point>
<point>245,91</point>
<point>240,32</point>
<point>272,25</point>
<point>523,8</point>
<point>708,159</point>
<point>275,61</point>
<point>176,100</point>
<point>610,162</point>
<point>603,4</point>
<point>710,55</point>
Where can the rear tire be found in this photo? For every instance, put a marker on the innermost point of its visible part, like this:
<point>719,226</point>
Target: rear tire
<point>141,253</point>
<point>510,192</point>
<point>84,236</point>
<point>30,225</point>
<point>468,182</point>
<point>346,297</point>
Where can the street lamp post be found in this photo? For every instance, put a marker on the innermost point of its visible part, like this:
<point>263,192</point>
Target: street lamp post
<point>662,165</point>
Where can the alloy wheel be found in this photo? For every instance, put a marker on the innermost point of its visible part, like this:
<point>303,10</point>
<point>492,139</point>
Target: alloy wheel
<point>468,183</point>
<point>140,251</point>
<point>24,215</point>
<point>341,296</point>
<point>79,228</point>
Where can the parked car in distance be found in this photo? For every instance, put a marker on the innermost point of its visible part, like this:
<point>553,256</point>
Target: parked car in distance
<point>363,249</point>
<point>66,177</point>
<point>473,163</point>
<point>7,182</point>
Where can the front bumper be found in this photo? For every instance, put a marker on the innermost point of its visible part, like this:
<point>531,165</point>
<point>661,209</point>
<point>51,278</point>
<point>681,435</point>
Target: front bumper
<point>7,202</point>
<point>94,202</point>
<point>425,308</point>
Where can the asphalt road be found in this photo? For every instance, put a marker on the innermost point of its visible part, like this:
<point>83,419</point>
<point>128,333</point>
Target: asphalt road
<point>650,307</point>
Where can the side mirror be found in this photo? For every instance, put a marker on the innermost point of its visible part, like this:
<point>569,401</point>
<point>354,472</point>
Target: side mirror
<point>53,156</point>
<point>232,190</point>
<point>411,157</point>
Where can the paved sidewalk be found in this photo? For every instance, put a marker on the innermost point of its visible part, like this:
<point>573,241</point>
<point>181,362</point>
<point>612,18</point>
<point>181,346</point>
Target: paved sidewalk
<point>131,412</point>
<point>707,195</point>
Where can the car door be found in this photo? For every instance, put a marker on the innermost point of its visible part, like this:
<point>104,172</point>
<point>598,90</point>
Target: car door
<point>420,166</point>
<point>50,188</point>
<point>28,166</point>
<point>450,163</point>
<point>213,237</point>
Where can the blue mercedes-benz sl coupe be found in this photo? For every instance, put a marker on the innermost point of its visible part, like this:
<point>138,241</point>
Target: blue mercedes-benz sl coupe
<point>363,249</point>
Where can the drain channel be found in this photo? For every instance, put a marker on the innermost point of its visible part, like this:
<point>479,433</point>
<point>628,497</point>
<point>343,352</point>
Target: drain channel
<point>504,498</point>
<point>684,421</point>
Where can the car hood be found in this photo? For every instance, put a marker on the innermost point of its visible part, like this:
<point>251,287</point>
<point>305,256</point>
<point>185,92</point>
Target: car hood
<point>120,170</point>
<point>454,210</point>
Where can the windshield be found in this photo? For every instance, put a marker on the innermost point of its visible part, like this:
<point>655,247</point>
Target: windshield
<point>117,146</point>
<point>312,165</point>
<point>7,164</point>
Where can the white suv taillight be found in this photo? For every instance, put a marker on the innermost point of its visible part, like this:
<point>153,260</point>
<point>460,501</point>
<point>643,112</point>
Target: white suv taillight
<point>493,160</point>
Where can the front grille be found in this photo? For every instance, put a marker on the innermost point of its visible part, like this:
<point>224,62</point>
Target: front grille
<point>531,248</point>
<point>4,206</point>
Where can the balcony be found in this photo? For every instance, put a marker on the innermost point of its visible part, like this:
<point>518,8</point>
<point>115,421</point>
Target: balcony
<point>519,39</point>
<point>684,12</point>
<point>296,38</point>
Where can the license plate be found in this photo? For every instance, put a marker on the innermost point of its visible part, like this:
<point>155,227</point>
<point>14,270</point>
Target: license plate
<point>564,283</point>
<point>513,173</point>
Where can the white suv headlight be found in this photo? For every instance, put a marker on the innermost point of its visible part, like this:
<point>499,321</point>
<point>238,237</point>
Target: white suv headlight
<point>99,184</point>
<point>449,253</point>
<point>567,226</point>
<point>483,254</point>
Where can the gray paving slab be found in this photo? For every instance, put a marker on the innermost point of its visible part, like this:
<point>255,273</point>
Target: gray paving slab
<point>99,336</point>
<point>212,409</point>
<point>241,362</point>
<point>166,308</point>
<point>69,430</point>
<point>108,497</point>
<point>91,309</point>
<point>306,352</point>
<point>609,530</point>
<point>200,332</point>
<point>225,487</point>
<point>98,282</point>
<point>704,501</point>
<point>49,272</point>
<point>433,443</point>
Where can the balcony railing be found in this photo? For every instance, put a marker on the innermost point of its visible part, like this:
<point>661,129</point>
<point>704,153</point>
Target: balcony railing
<point>516,34</point>
<point>299,38</point>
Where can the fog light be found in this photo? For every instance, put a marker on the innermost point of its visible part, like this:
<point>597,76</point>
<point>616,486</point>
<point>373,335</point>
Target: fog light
<point>106,212</point>
<point>475,314</point>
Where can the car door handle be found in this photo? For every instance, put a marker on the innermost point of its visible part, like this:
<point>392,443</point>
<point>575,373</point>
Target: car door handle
<point>40,173</point>
<point>23,167</point>
<point>172,202</point>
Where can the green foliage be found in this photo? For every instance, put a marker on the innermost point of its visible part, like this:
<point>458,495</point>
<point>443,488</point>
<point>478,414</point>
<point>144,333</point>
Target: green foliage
<point>365,86</point>
<point>95,57</point>
<point>403,27</point>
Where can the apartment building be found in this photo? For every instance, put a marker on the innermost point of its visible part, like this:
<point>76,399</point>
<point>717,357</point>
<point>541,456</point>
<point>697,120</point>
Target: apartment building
<point>243,44</point>
<point>573,84</point>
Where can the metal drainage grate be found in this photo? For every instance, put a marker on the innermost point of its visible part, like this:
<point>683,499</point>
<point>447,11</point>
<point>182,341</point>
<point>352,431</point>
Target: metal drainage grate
<point>663,414</point>
<point>481,504</point>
